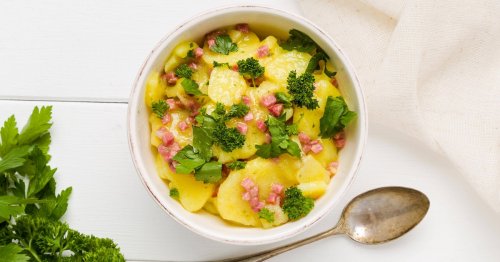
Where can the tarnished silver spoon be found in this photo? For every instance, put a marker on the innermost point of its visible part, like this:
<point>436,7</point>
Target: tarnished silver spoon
<point>373,217</point>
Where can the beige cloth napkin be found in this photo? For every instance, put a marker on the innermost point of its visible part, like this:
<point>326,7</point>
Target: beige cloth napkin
<point>430,69</point>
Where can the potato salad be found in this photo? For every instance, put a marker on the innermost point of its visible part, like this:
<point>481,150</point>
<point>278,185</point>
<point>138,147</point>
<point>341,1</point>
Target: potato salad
<point>247,127</point>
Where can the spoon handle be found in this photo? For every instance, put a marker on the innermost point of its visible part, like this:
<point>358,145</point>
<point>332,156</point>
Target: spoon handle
<point>273,252</point>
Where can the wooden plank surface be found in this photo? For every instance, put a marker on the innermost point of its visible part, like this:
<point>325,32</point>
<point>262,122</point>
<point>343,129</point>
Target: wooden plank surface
<point>86,50</point>
<point>91,153</point>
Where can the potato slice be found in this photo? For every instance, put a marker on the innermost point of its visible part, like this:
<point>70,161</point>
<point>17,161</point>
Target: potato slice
<point>279,217</point>
<point>226,86</point>
<point>211,206</point>
<point>154,88</point>
<point>193,194</point>
<point>279,68</point>
<point>163,169</point>
<point>328,154</point>
<point>156,124</point>
<point>313,189</point>
<point>312,171</point>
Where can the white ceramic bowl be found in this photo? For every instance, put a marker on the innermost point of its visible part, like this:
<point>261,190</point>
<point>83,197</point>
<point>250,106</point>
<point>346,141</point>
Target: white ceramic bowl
<point>263,21</point>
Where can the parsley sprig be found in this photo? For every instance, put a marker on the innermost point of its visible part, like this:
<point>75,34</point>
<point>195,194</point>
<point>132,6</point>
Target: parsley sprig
<point>159,108</point>
<point>280,140</point>
<point>224,45</point>
<point>299,41</point>
<point>336,116</point>
<point>301,88</point>
<point>184,71</point>
<point>250,69</point>
<point>30,208</point>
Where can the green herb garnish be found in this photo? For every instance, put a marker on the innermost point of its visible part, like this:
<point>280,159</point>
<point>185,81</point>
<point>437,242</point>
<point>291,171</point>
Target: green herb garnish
<point>224,45</point>
<point>335,117</point>
<point>295,204</point>
<point>301,88</point>
<point>299,41</point>
<point>174,193</point>
<point>280,140</point>
<point>159,108</point>
<point>191,87</point>
<point>250,69</point>
<point>283,98</point>
<point>267,215</point>
<point>237,165</point>
<point>237,110</point>
<point>217,64</point>
<point>29,205</point>
<point>190,162</point>
<point>184,71</point>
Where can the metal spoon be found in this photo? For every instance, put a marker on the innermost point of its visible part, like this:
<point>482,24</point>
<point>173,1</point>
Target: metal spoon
<point>373,217</point>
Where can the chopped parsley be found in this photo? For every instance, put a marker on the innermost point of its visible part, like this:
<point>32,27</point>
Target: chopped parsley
<point>224,45</point>
<point>314,64</point>
<point>174,193</point>
<point>159,108</point>
<point>184,71</point>
<point>190,161</point>
<point>228,138</point>
<point>267,215</point>
<point>217,64</point>
<point>237,165</point>
<point>335,117</point>
<point>292,130</point>
<point>250,69</point>
<point>237,110</point>
<point>301,88</point>
<point>283,98</point>
<point>295,204</point>
<point>280,140</point>
<point>191,87</point>
<point>299,41</point>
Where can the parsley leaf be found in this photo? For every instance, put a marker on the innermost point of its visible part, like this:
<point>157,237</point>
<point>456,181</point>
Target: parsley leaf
<point>284,99</point>
<point>301,88</point>
<point>12,253</point>
<point>335,117</point>
<point>202,141</point>
<point>159,108</point>
<point>250,69</point>
<point>237,165</point>
<point>188,160</point>
<point>210,172</point>
<point>191,87</point>
<point>299,41</point>
<point>267,215</point>
<point>38,124</point>
<point>295,204</point>
<point>174,193</point>
<point>9,134</point>
<point>224,45</point>
<point>280,141</point>
<point>184,71</point>
<point>314,64</point>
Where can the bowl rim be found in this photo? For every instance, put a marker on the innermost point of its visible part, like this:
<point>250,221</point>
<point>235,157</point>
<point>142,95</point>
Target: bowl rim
<point>136,88</point>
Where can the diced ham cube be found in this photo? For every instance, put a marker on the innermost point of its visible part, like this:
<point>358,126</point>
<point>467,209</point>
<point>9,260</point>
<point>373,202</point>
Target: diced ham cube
<point>334,82</point>
<point>170,78</point>
<point>166,119</point>
<point>304,138</point>
<point>193,65</point>
<point>248,117</point>
<point>277,188</point>
<point>235,67</point>
<point>306,148</point>
<point>247,183</point>
<point>263,51</point>
<point>242,128</point>
<point>332,167</point>
<point>211,42</point>
<point>183,125</point>
<point>172,104</point>
<point>316,148</point>
<point>246,100</point>
<point>198,52</point>
<point>244,28</point>
<point>167,138</point>
<point>261,125</point>
<point>268,100</point>
<point>339,143</point>
<point>276,109</point>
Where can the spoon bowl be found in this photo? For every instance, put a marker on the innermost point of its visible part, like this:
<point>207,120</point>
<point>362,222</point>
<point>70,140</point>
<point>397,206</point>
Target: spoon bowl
<point>374,217</point>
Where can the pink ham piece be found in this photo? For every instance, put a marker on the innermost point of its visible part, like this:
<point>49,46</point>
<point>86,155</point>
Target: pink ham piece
<point>170,78</point>
<point>332,167</point>
<point>251,194</point>
<point>244,28</point>
<point>193,65</point>
<point>167,138</point>
<point>168,152</point>
<point>235,67</point>
<point>276,109</point>
<point>198,53</point>
<point>304,138</point>
<point>261,125</point>
<point>242,128</point>
<point>316,148</point>
<point>248,117</point>
<point>339,139</point>
<point>268,100</point>
<point>172,104</point>
<point>211,42</point>
<point>183,125</point>
<point>276,194</point>
<point>246,100</point>
<point>263,51</point>
<point>166,119</point>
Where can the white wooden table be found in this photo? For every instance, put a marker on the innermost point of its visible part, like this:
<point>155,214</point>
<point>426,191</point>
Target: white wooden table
<point>81,57</point>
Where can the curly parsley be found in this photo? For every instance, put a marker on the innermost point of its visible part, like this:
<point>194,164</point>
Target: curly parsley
<point>267,215</point>
<point>301,88</point>
<point>224,45</point>
<point>250,69</point>
<point>184,71</point>
<point>159,108</point>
